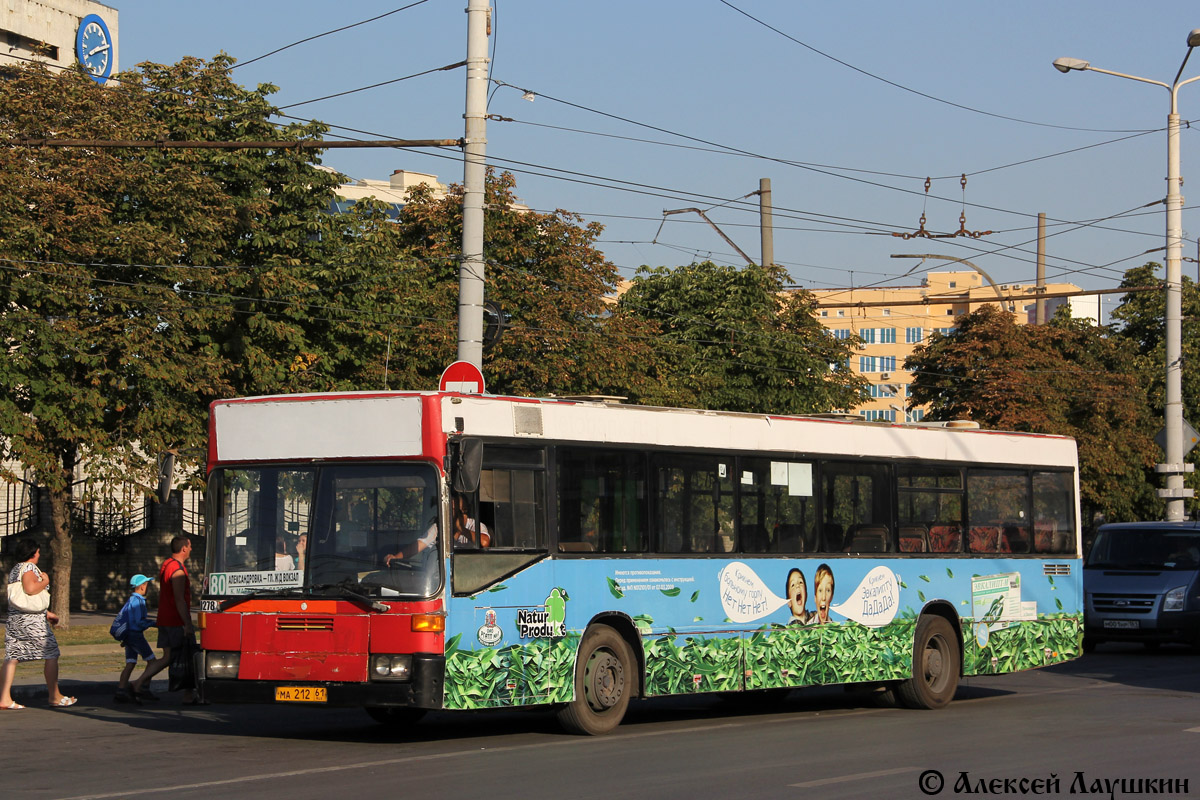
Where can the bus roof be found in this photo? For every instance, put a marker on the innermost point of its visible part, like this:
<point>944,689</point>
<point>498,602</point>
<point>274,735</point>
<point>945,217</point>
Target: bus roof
<point>393,424</point>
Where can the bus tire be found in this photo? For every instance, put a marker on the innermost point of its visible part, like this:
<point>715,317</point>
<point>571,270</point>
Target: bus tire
<point>604,681</point>
<point>936,665</point>
<point>395,717</point>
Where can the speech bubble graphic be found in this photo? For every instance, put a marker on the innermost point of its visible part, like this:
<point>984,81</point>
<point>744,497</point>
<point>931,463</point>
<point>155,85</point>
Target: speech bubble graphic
<point>875,601</point>
<point>744,596</point>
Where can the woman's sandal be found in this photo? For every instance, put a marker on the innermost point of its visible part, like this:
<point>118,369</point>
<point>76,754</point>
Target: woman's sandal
<point>64,702</point>
<point>13,706</point>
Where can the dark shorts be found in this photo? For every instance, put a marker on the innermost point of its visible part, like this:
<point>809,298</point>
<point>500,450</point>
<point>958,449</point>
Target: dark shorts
<point>171,637</point>
<point>136,645</point>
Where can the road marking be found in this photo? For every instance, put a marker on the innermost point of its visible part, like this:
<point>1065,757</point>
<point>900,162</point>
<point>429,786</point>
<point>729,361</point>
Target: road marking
<point>857,776</point>
<point>1191,730</point>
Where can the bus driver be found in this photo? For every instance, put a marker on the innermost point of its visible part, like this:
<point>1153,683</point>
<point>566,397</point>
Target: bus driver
<point>468,534</point>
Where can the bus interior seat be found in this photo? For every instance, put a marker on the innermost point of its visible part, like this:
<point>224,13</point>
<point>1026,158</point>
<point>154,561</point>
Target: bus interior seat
<point>868,539</point>
<point>945,537</point>
<point>1043,535</point>
<point>1015,539</point>
<point>913,539</point>
<point>984,538</point>
<point>834,536</point>
<point>754,539</point>
<point>790,538</point>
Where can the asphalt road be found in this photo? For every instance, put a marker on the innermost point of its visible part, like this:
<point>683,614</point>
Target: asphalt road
<point>1120,713</point>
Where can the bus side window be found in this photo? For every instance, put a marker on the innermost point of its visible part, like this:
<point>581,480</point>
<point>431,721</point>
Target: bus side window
<point>601,501</point>
<point>512,500</point>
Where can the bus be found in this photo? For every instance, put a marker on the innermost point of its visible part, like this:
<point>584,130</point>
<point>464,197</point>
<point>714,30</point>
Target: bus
<point>411,551</point>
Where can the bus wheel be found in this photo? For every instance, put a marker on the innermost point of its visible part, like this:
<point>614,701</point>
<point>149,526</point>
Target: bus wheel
<point>604,681</point>
<point>395,717</point>
<point>936,663</point>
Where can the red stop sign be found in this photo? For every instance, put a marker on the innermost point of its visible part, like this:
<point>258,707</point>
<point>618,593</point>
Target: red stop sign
<point>462,376</point>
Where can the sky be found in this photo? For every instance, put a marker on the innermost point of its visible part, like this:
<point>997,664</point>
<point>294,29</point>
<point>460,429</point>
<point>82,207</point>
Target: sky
<point>642,106</point>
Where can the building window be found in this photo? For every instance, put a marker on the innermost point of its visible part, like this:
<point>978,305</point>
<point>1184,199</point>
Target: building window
<point>887,335</point>
<point>867,335</point>
<point>887,312</point>
<point>953,284</point>
<point>841,312</point>
<point>878,415</point>
<point>914,335</point>
<point>878,390</point>
<point>866,364</point>
<point>840,333</point>
<point>950,312</point>
<point>944,331</point>
<point>824,313</point>
<point>916,415</point>
<point>887,363</point>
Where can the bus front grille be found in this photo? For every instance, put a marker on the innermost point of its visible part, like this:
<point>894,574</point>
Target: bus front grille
<point>304,623</point>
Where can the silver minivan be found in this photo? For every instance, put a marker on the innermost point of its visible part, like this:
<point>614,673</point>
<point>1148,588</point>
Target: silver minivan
<point>1141,582</point>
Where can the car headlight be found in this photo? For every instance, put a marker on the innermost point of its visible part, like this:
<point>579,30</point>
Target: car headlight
<point>391,668</point>
<point>218,664</point>
<point>1175,599</point>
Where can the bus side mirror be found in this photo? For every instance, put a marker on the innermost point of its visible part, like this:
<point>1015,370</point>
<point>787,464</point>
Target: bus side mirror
<point>166,476</point>
<point>468,466</point>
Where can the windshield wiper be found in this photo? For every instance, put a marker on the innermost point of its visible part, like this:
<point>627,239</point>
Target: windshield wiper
<point>241,598</point>
<point>347,587</point>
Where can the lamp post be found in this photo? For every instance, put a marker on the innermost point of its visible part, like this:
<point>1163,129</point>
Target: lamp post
<point>1174,468</point>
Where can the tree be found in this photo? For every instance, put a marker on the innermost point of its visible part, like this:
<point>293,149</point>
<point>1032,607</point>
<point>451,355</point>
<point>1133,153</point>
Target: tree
<point>1140,320</point>
<point>1067,378</point>
<point>138,284</point>
<point>549,281</point>
<point>93,253</point>
<point>739,342</point>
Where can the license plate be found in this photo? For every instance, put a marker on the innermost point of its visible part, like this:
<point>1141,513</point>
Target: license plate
<point>301,694</point>
<point>1121,623</point>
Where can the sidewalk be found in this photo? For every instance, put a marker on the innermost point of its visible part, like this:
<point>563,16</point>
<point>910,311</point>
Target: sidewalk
<point>82,680</point>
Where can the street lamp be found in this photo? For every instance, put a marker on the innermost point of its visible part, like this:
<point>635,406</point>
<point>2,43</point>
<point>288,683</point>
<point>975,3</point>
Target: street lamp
<point>1174,468</point>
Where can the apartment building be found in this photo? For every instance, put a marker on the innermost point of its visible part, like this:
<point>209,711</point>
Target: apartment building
<point>893,320</point>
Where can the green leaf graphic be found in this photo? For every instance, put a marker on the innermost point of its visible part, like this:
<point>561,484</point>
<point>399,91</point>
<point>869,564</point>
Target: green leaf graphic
<point>615,588</point>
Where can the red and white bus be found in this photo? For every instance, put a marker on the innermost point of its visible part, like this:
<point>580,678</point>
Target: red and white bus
<point>412,551</point>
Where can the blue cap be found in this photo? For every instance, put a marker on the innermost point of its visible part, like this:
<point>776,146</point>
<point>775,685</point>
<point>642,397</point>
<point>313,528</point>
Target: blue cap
<point>138,580</point>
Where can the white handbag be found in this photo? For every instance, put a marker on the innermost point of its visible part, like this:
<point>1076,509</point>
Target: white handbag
<point>22,601</point>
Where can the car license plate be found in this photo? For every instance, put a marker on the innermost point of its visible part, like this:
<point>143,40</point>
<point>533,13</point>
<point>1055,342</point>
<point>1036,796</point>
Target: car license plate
<point>1121,623</point>
<point>301,694</point>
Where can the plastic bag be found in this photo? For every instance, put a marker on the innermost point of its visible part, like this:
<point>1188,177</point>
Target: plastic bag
<point>181,674</point>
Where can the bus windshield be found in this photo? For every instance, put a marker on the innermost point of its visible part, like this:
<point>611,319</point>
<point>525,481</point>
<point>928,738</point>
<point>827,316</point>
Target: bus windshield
<point>1145,548</point>
<point>324,530</point>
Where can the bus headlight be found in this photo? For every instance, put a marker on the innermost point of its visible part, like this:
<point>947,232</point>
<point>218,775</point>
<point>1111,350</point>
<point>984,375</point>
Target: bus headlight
<point>1174,599</point>
<point>218,664</point>
<point>391,668</point>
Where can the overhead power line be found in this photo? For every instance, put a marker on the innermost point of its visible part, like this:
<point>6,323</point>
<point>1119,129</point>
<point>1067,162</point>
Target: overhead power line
<point>279,144</point>
<point>927,96</point>
<point>329,32</point>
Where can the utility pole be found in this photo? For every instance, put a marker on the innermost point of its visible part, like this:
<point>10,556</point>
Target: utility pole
<point>765,224</point>
<point>1040,318</point>
<point>471,273</point>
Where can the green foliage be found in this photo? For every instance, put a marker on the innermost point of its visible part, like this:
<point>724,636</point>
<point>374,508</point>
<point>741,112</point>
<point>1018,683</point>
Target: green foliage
<point>1024,645</point>
<point>549,281</point>
<point>739,342</point>
<point>539,671</point>
<point>1141,322</point>
<point>1067,378</point>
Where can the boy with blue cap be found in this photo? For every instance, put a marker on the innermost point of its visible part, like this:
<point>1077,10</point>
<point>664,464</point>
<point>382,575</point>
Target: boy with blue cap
<point>129,628</point>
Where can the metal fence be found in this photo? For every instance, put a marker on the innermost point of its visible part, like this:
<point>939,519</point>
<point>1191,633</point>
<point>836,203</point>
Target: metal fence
<point>19,509</point>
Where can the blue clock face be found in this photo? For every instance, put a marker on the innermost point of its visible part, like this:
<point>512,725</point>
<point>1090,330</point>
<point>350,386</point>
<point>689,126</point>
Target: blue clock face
<point>93,48</point>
